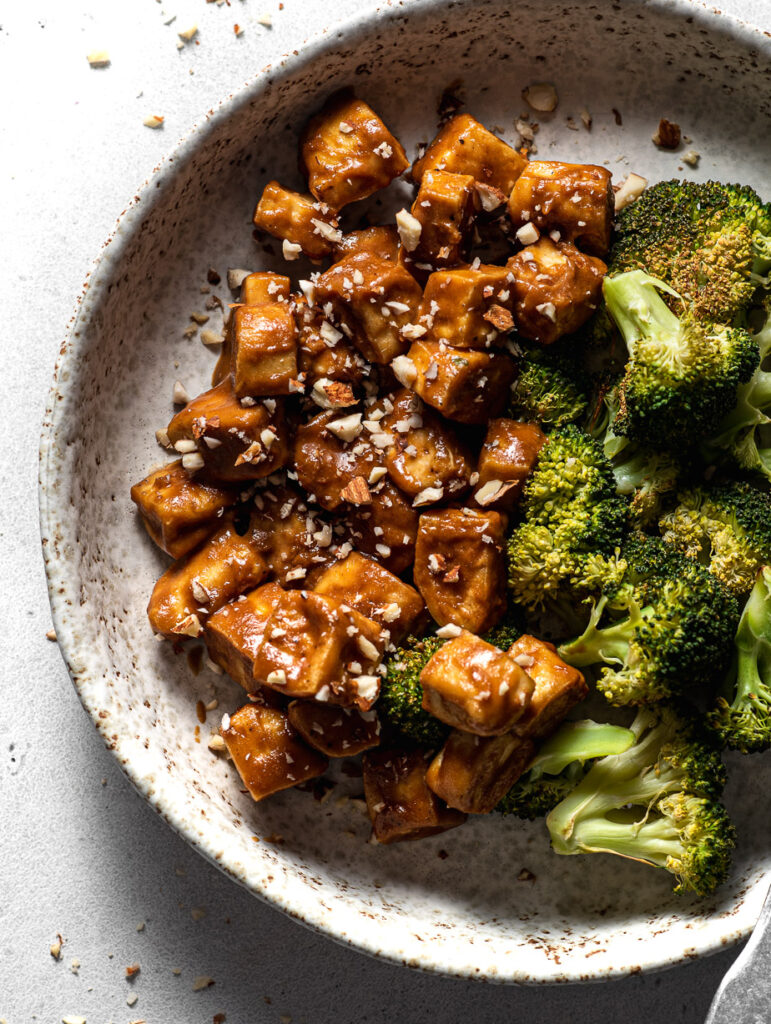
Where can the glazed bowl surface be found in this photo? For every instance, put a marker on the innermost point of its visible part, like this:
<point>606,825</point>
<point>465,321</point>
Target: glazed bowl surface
<point>488,900</point>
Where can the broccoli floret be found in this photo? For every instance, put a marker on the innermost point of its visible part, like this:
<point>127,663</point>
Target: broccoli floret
<point>727,529</point>
<point>644,474</point>
<point>565,548</point>
<point>657,802</point>
<point>710,242</point>
<point>561,763</point>
<point>401,695</point>
<point>507,631</point>
<point>744,435</point>
<point>742,718</point>
<point>668,622</point>
<point>682,375</point>
<point>548,389</point>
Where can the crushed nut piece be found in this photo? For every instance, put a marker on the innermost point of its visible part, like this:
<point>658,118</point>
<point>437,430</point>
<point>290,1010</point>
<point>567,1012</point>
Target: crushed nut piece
<point>356,492</point>
<point>99,59</point>
<point>691,158</point>
<point>490,197</point>
<point>189,33</point>
<point>499,317</point>
<point>201,982</point>
<point>331,394</point>
<point>528,234</point>
<point>449,632</point>
<point>667,136</point>
<point>56,945</point>
<point>541,96</point>
<point>630,189</point>
<point>216,744</point>
<point>209,337</point>
<point>132,971</point>
<point>409,229</point>
<point>189,626</point>
<point>153,121</point>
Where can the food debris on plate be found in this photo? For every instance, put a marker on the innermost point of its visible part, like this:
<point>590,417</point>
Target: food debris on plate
<point>434,498</point>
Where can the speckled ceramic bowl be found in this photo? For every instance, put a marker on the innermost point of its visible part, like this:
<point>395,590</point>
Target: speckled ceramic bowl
<point>488,900</point>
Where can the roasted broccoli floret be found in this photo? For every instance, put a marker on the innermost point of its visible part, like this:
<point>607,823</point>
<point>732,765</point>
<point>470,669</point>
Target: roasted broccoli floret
<point>744,434</point>
<point>548,389</point>
<point>727,529</point>
<point>710,242</point>
<point>507,631</point>
<point>657,802</point>
<point>566,547</point>
<point>561,763</point>
<point>742,718</point>
<point>682,374</point>
<point>399,705</point>
<point>667,624</point>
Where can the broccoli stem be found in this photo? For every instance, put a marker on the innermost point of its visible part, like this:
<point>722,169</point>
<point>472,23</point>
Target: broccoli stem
<point>652,840</point>
<point>580,741</point>
<point>640,313</point>
<point>609,644</point>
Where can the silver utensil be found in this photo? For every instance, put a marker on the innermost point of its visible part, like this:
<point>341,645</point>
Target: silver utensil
<point>744,996</point>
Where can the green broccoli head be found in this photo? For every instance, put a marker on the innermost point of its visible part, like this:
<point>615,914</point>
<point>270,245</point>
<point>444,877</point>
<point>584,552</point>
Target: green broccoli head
<point>710,242</point>
<point>682,374</point>
<point>507,631</point>
<point>727,529</point>
<point>399,705</point>
<point>668,622</point>
<point>742,717</point>
<point>655,802</point>
<point>561,763</point>
<point>548,389</point>
<point>565,548</point>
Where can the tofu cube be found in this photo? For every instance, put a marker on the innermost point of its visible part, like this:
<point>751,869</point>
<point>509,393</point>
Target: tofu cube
<point>379,240</point>
<point>267,752</point>
<point>385,529</point>
<point>400,804</point>
<point>558,686</point>
<point>178,510</point>
<point>556,289</point>
<point>264,350</point>
<point>298,219</point>
<point>574,199</point>
<point>256,289</point>
<point>335,731</point>
<point>295,540</point>
<point>322,356</point>
<point>196,586</point>
<point>375,592</point>
<point>373,299</point>
<point>236,442</point>
<point>464,146</point>
<point>234,633</point>
<point>316,647</point>
<point>473,686</point>
<point>469,307</point>
<point>426,458</point>
<point>444,207</point>
<point>327,460</point>
<point>508,457</point>
<point>463,384</point>
<point>460,567</point>
<point>473,773</point>
<point>348,153</point>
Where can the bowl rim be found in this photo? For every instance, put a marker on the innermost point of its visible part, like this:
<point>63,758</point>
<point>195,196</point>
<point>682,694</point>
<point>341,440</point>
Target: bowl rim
<point>52,460</point>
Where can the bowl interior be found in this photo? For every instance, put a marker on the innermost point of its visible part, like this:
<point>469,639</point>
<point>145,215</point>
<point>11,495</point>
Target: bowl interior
<point>487,900</point>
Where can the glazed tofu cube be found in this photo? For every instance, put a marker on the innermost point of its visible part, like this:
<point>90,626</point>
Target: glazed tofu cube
<point>508,457</point>
<point>468,307</point>
<point>335,731</point>
<point>179,510</point>
<point>473,773</point>
<point>299,220</point>
<point>264,350</point>
<point>558,686</point>
<point>327,356</point>
<point>425,458</point>
<point>444,208</point>
<point>256,289</point>
<point>460,568</point>
<point>267,752</point>
<point>464,146</point>
<point>473,686</point>
<point>380,240</point>
<point>575,200</point>
<point>332,452</point>
<point>463,384</point>
<point>316,647</point>
<point>348,153</point>
<point>556,289</point>
<point>234,633</point>
<point>373,300</point>
<point>295,540</point>
<point>197,585</point>
<point>236,442</point>
<point>385,529</point>
<point>375,592</point>
<point>400,804</point>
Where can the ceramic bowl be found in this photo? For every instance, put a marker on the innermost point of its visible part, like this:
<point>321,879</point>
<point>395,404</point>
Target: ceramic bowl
<point>488,900</point>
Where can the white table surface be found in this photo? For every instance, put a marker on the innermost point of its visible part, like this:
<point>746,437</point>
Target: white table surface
<point>80,853</point>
